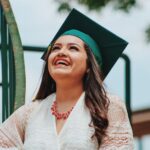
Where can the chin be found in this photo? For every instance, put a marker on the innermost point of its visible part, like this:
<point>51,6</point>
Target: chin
<point>60,74</point>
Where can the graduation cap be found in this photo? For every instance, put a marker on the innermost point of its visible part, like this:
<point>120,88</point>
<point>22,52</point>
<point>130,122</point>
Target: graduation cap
<point>107,47</point>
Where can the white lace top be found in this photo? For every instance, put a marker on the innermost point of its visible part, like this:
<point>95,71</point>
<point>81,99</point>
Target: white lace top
<point>32,127</point>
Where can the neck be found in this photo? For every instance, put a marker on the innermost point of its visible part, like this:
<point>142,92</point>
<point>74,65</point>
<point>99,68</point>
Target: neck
<point>68,92</point>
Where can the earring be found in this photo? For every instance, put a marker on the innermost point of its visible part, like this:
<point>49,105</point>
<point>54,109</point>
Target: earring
<point>88,70</point>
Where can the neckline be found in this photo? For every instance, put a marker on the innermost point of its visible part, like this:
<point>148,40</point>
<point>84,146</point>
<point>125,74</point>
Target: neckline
<point>80,99</point>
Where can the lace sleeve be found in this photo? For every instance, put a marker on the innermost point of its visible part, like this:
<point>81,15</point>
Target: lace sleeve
<point>13,129</point>
<point>119,133</point>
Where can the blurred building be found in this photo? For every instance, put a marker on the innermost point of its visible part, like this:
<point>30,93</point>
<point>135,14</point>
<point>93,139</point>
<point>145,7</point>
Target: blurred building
<point>141,122</point>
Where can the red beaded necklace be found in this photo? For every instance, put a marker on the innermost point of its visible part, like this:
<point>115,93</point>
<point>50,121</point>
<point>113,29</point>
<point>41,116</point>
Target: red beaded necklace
<point>58,115</point>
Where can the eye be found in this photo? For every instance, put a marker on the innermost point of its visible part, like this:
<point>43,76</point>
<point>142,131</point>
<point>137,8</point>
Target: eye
<point>54,48</point>
<point>74,48</point>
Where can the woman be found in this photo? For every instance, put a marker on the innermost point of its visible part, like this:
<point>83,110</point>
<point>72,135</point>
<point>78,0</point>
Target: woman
<point>72,109</point>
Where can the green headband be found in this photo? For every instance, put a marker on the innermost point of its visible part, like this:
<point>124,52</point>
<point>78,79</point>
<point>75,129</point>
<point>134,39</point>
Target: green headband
<point>88,41</point>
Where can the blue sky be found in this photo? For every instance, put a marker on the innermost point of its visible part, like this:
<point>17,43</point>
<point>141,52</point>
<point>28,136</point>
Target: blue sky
<point>38,21</point>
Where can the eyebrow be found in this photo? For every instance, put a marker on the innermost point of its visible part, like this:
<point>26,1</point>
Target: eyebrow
<point>67,44</point>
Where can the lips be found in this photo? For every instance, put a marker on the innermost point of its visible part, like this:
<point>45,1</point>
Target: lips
<point>61,61</point>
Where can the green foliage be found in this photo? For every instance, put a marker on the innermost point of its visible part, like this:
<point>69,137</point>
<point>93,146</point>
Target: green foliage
<point>96,5</point>
<point>64,7</point>
<point>147,31</point>
<point>125,5</point>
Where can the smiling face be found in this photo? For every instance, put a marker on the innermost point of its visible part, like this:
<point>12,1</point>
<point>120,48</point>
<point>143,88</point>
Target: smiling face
<point>67,59</point>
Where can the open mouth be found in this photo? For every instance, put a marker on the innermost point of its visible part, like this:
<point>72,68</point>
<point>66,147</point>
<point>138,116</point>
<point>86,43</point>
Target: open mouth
<point>61,62</point>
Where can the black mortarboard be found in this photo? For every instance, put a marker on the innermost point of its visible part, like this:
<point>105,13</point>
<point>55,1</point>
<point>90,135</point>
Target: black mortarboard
<point>110,45</point>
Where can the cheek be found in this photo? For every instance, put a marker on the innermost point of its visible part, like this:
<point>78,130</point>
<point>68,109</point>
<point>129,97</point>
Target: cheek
<point>81,65</point>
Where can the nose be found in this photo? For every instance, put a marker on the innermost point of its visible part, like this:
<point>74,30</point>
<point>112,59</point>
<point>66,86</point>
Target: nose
<point>62,52</point>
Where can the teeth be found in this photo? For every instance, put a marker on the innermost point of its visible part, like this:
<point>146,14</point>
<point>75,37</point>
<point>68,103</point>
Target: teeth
<point>61,62</point>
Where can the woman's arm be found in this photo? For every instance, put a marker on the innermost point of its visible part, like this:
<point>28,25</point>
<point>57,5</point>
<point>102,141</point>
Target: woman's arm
<point>13,129</point>
<point>119,134</point>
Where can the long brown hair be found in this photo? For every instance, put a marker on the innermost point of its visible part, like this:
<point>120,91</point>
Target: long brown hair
<point>95,95</point>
